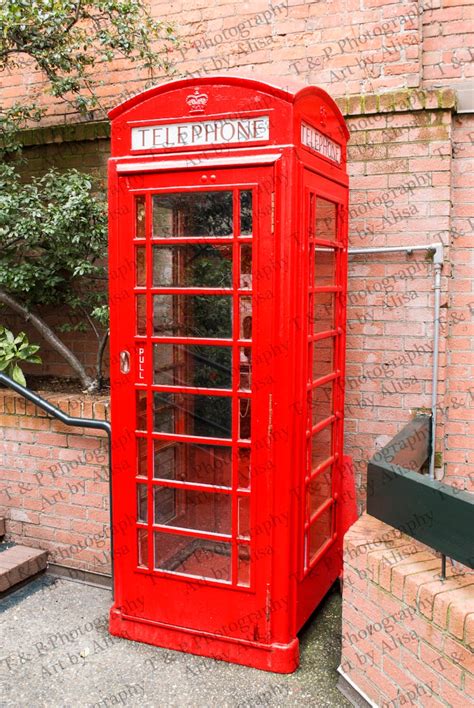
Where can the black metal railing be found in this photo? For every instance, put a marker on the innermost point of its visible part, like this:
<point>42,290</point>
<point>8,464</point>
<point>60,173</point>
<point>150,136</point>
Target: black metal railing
<point>400,494</point>
<point>73,421</point>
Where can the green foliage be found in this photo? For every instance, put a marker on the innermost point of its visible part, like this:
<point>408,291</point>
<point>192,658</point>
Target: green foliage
<point>66,39</point>
<point>53,239</point>
<point>14,350</point>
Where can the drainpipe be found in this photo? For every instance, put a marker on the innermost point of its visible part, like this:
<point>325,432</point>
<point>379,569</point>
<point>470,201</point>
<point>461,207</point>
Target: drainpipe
<point>438,257</point>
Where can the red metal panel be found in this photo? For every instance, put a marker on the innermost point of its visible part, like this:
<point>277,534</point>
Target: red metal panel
<point>221,368</point>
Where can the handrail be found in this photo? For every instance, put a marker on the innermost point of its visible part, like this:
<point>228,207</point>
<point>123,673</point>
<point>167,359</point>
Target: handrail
<point>73,421</point>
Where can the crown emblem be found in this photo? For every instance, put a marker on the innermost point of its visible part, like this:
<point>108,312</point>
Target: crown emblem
<point>197,101</point>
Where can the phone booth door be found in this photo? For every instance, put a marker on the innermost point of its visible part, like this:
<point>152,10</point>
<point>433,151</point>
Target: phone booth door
<point>192,395</point>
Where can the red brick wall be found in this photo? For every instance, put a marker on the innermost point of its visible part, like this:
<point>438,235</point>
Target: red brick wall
<point>407,636</point>
<point>54,490</point>
<point>410,160</point>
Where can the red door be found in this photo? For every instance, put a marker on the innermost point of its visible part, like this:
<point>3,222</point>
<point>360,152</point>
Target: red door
<point>325,224</point>
<point>189,390</point>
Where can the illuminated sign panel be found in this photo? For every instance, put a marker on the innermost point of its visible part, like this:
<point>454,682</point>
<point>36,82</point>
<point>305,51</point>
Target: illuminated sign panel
<point>209,132</point>
<point>321,144</point>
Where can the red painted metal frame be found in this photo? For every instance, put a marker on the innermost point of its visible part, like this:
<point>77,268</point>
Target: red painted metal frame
<point>254,624</point>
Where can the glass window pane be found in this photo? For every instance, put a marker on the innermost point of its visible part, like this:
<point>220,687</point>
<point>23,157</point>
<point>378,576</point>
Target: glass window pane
<point>198,366</point>
<point>245,416</point>
<point>140,266</point>
<point>164,501</point>
<point>246,266</point>
<point>141,314</point>
<point>244,517</point>
<point>318,491</point>
<point>188,462</point>
<point>206,316</point>
<point>323,357</point>
<point>142,542</point>
<point>244,467</point>
<point>324,266</point>
<point>203,511</point>
<point>194,265</point>
<point>196,557</point>
<point>245,313</point>
<point>193,214</point>
<point>142,503</point>
<point>321,399</point>
<point>325,223</point>
<point>141,399</point>
<point>142,457</point>
<point>323,312</point>
<point>206,416</point>
<point>140,217</point>
<point>319,532</point>
<point>321,446</point>
<point>246,213</point>
<point>243,572</point>
<point>245,368</point>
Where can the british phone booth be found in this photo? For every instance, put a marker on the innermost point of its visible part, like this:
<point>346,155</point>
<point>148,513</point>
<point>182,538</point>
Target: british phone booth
<point>228,257</point>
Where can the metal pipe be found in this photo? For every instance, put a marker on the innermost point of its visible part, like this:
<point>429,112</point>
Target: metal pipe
<point>438,259</point>
<point>70,420</point>
<point>443,567</point>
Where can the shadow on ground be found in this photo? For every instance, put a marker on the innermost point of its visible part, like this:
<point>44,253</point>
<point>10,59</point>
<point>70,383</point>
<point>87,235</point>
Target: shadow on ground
<point>56,651</point>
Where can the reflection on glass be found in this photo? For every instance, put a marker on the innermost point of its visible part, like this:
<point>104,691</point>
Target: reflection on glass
<point>245,313</point>
<point>193,265</point>
<point>140,271</point>
<point>323,357</point>
<point>246,213</point>
<point>321,400</point>
<point>197,366</point>
<point>192,214</point>
<point>189,462</point>
<point>320,532</point>
<point>318,491</point>
<point>140,217</point>
<point>244,517</point>
<point>195,557</point>
<point>142,543</point>
<point>324,266</point>
<point>203,511</point>
<point>206,316</point>
<point>245,410</point>
<point>245,368</point>
<point>141,399</point>
<point>244,467</point>
<point>325,222</point>
<point>204,416</point>
<point>323,312</point>
<point>243,570</point>
<point>142,503</point>
<point>164,504</point>
<point>246,266</point>
<point>142,457</point>
<point>321,446</point>
<point>141,314</point>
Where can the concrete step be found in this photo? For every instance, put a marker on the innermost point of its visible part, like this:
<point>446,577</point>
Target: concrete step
<point>18,563</point>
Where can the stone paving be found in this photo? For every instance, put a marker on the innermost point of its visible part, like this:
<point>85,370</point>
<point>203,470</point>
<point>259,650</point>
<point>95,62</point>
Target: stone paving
<point>55,650</point>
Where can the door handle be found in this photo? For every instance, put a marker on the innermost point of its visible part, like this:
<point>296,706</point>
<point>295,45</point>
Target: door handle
<point>124,361</point>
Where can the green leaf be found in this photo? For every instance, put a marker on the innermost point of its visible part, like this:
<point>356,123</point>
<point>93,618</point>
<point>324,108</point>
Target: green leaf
<point>18,376</point>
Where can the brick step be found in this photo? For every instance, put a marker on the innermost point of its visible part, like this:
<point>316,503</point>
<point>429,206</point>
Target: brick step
<point>18,563</point>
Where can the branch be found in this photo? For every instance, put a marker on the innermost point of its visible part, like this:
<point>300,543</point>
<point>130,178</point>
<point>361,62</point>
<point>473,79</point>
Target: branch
<point>100,355</point>
<point>48,334</point>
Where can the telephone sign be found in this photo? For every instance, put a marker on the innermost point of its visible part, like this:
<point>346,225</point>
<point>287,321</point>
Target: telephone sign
<point>229,197</point>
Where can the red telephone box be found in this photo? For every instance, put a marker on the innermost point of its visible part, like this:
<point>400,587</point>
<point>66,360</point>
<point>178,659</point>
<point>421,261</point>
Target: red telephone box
<point>228,258</point>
